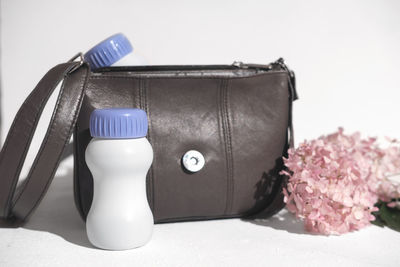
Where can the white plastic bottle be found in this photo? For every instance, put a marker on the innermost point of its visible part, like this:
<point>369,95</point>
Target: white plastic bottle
<point>116,50</point>
<point>119,157</point>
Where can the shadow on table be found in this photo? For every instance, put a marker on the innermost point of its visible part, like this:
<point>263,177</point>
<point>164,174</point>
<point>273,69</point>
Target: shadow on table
<point>57,213</point>
<point>284,220</point>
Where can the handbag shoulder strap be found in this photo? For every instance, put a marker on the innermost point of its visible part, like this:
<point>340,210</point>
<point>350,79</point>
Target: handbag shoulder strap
<point>21,202</point>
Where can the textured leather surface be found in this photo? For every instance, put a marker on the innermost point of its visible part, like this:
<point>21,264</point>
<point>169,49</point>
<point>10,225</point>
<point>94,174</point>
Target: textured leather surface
<point>237,121</point>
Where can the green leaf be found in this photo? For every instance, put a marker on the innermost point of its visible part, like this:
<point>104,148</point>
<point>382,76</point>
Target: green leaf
<point>378,221</point>
<point>391,216</point>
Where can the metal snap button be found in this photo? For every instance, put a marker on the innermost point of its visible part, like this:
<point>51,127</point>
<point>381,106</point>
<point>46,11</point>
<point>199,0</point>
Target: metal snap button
<point>193,161</point>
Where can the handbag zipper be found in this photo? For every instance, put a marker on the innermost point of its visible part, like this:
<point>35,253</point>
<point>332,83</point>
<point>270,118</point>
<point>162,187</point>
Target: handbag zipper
<point>278,65</point>
<point>161,68</point>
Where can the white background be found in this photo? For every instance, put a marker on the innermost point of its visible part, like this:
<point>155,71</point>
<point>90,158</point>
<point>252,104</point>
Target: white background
<point>345,55</point>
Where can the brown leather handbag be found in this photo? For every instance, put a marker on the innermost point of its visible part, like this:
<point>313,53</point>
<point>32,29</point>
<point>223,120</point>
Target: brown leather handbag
<point>238,116</point>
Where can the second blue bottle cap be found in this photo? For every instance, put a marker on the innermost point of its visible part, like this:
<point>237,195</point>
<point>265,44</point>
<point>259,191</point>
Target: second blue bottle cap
<point>118,123</point>
<point>108,51</point>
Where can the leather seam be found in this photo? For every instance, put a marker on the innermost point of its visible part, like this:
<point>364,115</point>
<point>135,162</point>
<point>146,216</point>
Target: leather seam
<point>230,149</point>
<point>225,144</point>
<point>45,143</point>
<point>222,131</point>
<point>25,151</point>
<point>226,138</point>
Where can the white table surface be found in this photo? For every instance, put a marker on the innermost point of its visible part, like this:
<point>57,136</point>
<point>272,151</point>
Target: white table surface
<point>55,236</point>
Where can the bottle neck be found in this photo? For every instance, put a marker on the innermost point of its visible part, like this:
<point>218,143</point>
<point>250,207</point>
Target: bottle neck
<point>131,59</point>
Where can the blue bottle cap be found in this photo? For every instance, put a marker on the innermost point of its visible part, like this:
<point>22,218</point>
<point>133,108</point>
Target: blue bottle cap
<point>118,123</point>
<point>108,51</point>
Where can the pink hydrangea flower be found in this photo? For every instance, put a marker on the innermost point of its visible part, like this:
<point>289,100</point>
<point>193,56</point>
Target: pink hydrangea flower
<point>335,180</point>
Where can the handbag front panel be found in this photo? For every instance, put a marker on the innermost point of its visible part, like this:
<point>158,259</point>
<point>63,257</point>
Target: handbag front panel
<point>238,124</point>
